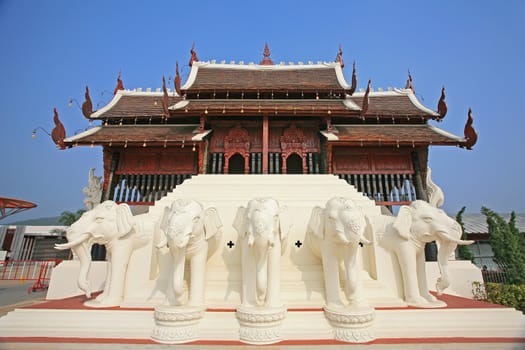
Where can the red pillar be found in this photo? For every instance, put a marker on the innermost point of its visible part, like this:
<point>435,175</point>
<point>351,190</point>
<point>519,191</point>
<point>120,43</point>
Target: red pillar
<point>265,145</point>
<point>329,156</point>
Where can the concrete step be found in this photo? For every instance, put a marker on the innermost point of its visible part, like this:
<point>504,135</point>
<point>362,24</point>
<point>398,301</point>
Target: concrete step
<point>289,190</point>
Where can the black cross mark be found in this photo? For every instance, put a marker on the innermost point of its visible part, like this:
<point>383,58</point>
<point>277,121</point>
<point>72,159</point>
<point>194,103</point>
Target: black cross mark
<point>298,244</point>
<point>230,244</point>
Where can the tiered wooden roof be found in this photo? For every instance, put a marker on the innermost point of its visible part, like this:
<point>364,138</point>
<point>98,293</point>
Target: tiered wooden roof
<point>392,135</point>
<point>146,135</point>
<point>282,90</point>
<point>134,104</point>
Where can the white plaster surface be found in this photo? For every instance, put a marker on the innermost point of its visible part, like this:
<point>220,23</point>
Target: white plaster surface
<point>298,325</point>
<point>302,290</point>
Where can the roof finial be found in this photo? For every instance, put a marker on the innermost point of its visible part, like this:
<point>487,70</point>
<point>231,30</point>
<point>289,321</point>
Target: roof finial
<point>87,105</point>
<point>354,81</point>
<point>366,100</point>
<point>177,79</point>
<point>442,105</point>
<point>266,59</point>
<point>194,57</point>
<point>339,57</point>
<point>410,85</point>
<point>165,98</point>
<point>58,134</point>
<point>471,135</point>
<point>120,85</point>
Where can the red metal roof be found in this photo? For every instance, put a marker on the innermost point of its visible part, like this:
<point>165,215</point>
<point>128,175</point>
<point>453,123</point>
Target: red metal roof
<point>10,206</point>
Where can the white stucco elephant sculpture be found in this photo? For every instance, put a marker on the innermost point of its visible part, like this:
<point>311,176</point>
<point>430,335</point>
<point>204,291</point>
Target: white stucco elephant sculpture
<point>263,230</point>
<point>187,229</point>
<point>114,226</point>
<point>406,235</point>
<point>334,234</point>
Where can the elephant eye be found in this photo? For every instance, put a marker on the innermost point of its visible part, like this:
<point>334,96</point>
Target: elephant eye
<point>427,219</point>
<point>99,220</point>
<point>196,219</point>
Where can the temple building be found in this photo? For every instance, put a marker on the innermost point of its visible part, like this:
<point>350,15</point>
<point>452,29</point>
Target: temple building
<point>265,118</point>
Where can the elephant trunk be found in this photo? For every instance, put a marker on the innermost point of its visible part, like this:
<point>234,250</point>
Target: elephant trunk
<point>443,282</point>
<point>179,260</point>
<point>83,252</point>
<point>447,245</point>
<point>261,265</point>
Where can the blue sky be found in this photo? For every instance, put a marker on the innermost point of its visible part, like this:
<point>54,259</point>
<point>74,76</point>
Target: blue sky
<point>52,49</point>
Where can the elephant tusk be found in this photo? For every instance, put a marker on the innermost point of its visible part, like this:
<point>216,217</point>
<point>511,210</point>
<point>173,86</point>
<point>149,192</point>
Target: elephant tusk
<point>251,240</point>
<point>448,237</point>
<point>74,243</point>
<point>162,243</point>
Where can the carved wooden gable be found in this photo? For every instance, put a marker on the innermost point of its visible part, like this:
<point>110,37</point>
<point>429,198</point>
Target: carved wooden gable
<point>237,141</point>
<point>293,141</point>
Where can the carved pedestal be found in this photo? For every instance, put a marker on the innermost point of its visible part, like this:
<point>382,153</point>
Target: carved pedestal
<point>351,325</point>
<point>176,324</point>
<point>260,325</point>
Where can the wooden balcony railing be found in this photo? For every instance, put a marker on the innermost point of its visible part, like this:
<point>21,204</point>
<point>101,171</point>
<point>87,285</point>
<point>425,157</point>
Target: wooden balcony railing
<point>145,188</point>
<point>385,189</point>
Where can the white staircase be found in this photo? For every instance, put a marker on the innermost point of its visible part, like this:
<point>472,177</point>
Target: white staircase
<point>301,271</point>
<point>289,190</point>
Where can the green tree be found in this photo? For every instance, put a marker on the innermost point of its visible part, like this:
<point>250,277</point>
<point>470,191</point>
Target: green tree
<point>507,244</point>
<point>464,252</point>
<point>67,218</point>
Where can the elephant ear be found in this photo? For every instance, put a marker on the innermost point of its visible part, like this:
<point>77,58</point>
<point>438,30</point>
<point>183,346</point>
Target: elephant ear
<point>212,222</point>
<point>284,222</point>
<point>239,223</point>
<point>124,219</point>
<point>369,231</point>
<point>403,222</point>
<point>159,239</point>
<point>316,225</point>
<point>165,218</point>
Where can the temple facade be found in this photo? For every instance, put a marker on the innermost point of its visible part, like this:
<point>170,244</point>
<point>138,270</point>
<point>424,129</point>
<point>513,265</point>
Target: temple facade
<point>266,118</point>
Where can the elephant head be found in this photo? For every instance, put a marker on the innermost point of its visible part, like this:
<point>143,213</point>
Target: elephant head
<point>341,221</point>
<point>103,224</point>
<point>421,223</point>
<point>187,228</point>
<point>263,229</point>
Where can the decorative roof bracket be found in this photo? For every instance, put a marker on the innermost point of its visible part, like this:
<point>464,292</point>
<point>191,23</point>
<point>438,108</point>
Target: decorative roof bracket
<point>87,105</point>
<point>58,134</point>
<point>471,135</point>
<point>120,85</point>
<point>194,57</point>
<point>442,105</point>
